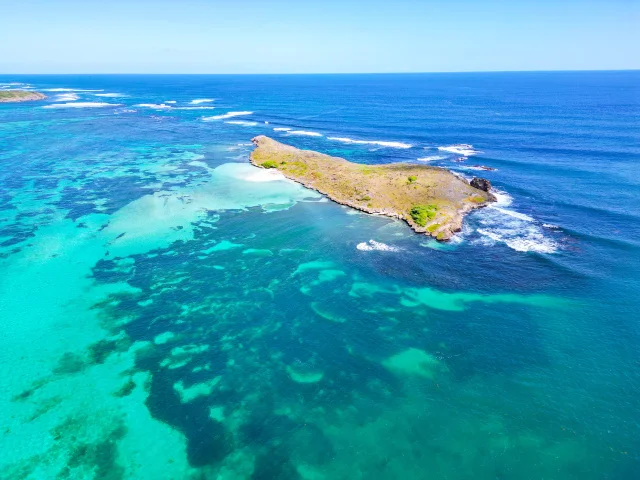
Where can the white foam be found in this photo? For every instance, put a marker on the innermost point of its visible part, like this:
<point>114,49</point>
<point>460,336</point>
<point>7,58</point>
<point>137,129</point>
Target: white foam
<point>243,123</point>
<point>70,90</point>
<point>460,149</point>
<point>109,95</point>
<point>528,241</point>
<point>371,142</point>
<point>198,101</point>
<point>82,105</point>
<point>503,199</point>
<point>155,106</point>
<point>431,158</point>
<point>170,101</point>
<point>66,97</point>
<point>514,214</point>
<point>264,175</point>
<point>226,115</point>
<point>477,168</point>
<point>304,133</point>
<point>194,108</point>
<point>282,129</point>
<point>377,246</point>
<point>518,231</point>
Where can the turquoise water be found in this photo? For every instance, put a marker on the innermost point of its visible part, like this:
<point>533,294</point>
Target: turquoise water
<point>169,311</point>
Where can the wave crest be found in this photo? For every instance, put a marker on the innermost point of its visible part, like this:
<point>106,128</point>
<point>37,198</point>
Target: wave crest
<point>372,245</point>
<point>82,105</point>
<point>381,143</point>
<point>226,115</point>
<point>460,149</point>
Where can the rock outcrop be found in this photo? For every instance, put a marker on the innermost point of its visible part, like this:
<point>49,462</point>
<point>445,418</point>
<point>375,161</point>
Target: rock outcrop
<point>481,184</point>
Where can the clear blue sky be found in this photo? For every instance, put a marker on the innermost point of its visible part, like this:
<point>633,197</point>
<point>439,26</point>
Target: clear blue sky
<point>279,36</point>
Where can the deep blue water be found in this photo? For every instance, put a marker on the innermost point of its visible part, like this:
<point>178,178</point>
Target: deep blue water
<point>166,315</point>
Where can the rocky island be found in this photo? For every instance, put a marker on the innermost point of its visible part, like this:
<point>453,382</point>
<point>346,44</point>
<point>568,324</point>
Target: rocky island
<point>7,96</point>
<point>431,200</point>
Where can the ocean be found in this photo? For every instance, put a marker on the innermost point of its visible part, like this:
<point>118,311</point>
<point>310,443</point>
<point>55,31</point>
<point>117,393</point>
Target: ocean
<point>167,312</point>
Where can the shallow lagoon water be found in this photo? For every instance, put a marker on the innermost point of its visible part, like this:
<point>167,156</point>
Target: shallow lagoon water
<point>169,311</point>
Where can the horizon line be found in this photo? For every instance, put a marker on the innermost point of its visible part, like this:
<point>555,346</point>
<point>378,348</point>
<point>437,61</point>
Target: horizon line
<point>333,73</point>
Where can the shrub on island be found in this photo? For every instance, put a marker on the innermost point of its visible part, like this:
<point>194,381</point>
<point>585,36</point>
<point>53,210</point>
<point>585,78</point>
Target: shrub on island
<point>421,213</point>
<point>269,164</point>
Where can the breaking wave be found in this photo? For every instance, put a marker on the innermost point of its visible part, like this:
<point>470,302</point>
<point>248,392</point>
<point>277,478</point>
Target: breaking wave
<point>517,230</point>
<point>460,149</point>
<point>243,123</point>
<point>305,133</point>
<point>194,108</point>
<point>66,97</point>
<point>371,142</point>
<point>155,106</point>
<point>372,245</point>
<point>70,90</point>
<point>431,158</point>
<point>82,105</point>
<point>226,115</point>
<point>198,101</point>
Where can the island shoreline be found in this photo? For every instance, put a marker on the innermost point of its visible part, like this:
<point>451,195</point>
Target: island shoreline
<point>442,232</point>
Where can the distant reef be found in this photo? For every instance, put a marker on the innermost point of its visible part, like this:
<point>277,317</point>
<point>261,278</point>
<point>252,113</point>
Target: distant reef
<point>431,200</point>
<point>8,96</point>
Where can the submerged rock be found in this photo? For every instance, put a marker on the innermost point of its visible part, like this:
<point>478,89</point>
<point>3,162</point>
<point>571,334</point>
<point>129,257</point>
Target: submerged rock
<point>481,184</point>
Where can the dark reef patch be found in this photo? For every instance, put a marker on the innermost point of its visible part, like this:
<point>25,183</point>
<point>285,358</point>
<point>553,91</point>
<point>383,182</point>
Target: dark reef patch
<point>207,440</point>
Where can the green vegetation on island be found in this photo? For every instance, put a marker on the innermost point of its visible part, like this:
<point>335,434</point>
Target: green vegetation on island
<point>7,96</point>
<point>431,200</point>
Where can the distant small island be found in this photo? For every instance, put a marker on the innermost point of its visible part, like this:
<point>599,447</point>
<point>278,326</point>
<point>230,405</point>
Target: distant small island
<point>431,200</point>
<point>8,96</point>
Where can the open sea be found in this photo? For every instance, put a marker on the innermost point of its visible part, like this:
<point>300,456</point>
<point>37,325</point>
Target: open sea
<point>169,312</point>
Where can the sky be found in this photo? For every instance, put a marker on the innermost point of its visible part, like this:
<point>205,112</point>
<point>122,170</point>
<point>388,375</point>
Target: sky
<point>328,36</point>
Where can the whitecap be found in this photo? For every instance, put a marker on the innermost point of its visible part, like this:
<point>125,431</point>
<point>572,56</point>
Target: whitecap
<point>155,106</point>
<point>66,97</point>
<point>431,158</point>
<point>503,199</point>
<point>170,101</point>
<point>243,123</point>
<point>372,142</point>
<point>477,168</point>
<point>194,108</point>
<point>529,240</point>
<point>226,115</point>
<point>124,110</point>
<point>304,133</point>
<point>377,246</point>
<point>197,101</point>
<point>460,149</point>
<point>81,105</point>
<point>516,230</point>
<point>514,214</point>
<point>70,90</point>
<point>282,129</point>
